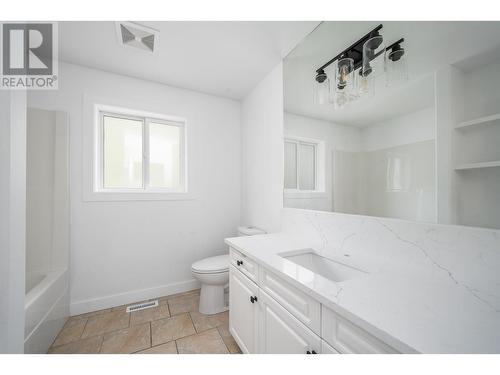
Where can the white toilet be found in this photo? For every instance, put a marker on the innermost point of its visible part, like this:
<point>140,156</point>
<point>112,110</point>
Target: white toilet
<point>213,274</point>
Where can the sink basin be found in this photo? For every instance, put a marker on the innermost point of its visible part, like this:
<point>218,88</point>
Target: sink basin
<point>325,267</point>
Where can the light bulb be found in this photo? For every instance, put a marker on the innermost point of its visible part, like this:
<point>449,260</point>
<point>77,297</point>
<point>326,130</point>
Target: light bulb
<point>343,77</point>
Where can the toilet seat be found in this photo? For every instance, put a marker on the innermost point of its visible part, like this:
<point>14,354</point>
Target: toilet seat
<point>212,265</point>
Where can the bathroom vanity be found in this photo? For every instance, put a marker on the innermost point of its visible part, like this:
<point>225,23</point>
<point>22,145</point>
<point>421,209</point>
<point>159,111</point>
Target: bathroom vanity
<point>268,314</point>
<point>369,291</point>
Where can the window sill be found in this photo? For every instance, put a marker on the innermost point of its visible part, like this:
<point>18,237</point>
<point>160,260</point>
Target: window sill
<point>305,194</point>
<point>111,196</point>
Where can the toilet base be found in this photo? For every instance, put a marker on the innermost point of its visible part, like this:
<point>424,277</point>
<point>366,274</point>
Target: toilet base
<point>212,299</point>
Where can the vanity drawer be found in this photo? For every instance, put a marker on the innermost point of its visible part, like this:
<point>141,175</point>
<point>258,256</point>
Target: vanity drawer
<point>247,266</point>
<point>298,303</point>
<point>345,337</point>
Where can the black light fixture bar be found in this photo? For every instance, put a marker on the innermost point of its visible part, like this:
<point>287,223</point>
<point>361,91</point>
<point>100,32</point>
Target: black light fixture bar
<point>354,51</point>
<point>395,44</point>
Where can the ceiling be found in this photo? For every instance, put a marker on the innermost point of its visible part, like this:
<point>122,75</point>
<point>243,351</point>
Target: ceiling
<point>221,58</point>
<point>428,46</point>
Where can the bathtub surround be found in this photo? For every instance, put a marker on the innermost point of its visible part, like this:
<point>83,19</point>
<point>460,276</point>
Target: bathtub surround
<point>47,228</point>
<point>133,250</point>
<point>47,206</point>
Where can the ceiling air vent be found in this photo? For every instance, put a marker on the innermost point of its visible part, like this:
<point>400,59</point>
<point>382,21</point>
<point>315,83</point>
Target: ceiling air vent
<point>138,36</point>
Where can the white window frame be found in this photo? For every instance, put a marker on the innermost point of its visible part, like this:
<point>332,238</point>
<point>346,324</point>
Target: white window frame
<point>146,121</point>
<point>96,190</point>
<point>319,168</point>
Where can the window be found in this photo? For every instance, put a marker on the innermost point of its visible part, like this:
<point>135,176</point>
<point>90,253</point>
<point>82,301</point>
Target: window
<point>302,165</point>
<point>140,154</point>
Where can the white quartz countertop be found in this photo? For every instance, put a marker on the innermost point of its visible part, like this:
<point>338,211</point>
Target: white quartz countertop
<point>412,309</point>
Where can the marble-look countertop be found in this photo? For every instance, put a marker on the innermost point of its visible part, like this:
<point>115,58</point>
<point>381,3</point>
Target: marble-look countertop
<point>412,309</point>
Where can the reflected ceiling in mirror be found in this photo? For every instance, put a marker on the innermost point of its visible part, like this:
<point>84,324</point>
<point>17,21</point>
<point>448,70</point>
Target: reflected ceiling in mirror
<point>375,155</point>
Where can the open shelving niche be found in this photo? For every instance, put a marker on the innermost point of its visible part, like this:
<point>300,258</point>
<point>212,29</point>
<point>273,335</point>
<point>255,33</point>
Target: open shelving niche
<point>476,141</point>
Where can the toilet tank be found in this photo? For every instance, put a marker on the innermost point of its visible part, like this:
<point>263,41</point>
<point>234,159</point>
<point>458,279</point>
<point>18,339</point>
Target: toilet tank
<point>249,231</point>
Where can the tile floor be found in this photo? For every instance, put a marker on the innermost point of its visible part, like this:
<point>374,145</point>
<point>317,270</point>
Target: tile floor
<point>175,326</point>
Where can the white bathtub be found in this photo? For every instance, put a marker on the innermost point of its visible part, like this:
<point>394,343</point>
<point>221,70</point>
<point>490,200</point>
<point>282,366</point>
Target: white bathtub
<point>46,309</point>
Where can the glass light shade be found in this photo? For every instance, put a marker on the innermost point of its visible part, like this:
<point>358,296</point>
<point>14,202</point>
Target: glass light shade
<point>365,85</point>
<point>344,75</point>
<point>396,71</point>
<point>373,56</point>
<point>345,82</point>
<point>321,92</point>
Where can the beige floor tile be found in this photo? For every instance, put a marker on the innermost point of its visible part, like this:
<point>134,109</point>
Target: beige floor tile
<point>204,322</point>
<point>228,339</point>
<point>208,342</point>
<point>128,340</point>
<point>92,345</point>
<point>104,323</point>
<point>168,348</point>
<point>72,331</point>
<point>173,328</point>
<point>184,303</point>
<point>148,315</point>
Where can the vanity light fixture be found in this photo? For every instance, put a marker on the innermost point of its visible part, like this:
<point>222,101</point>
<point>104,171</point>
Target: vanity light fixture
<point>370,55</point>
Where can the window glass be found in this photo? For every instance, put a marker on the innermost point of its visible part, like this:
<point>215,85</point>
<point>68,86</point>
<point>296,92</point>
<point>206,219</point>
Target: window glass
<point>164,156</point>
<point>122,149</point>
<point>307,166</point>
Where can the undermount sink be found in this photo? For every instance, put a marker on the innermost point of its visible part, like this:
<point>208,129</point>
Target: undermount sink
<point>325,267</point>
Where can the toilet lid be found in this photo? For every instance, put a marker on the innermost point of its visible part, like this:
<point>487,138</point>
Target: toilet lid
<point>215,264</point>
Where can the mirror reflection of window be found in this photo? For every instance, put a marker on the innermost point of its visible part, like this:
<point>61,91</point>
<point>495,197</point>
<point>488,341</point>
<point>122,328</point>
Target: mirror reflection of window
<point>300,165</point>
<point>398,173</point>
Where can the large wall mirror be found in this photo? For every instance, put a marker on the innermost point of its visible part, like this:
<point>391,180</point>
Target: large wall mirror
<point>403,124</point>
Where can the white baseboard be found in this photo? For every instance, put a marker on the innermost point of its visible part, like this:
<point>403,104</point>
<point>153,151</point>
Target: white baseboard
<point>81,307</point>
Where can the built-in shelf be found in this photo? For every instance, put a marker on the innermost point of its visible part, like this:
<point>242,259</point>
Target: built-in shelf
<point>486,164</point>
<point>487,120</point>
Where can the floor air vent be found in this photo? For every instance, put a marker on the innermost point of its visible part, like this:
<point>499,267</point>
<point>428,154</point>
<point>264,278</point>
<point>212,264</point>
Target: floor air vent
<point>142,306</point>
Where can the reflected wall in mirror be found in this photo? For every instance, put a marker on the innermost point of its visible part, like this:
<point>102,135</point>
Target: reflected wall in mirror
<point>397,152</point>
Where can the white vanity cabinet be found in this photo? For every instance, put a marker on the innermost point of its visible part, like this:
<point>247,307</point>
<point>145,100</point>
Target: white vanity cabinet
<point>268,315</point>
<point>244,310</point>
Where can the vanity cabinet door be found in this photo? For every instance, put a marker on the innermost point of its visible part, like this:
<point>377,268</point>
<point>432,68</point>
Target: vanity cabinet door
<point>244,311</point>
<point>280,332</point>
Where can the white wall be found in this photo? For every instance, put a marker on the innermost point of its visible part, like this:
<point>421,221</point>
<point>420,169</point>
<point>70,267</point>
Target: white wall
<point>130,250</point>
<point>262,153</point>
<point>12,219</point>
